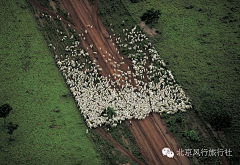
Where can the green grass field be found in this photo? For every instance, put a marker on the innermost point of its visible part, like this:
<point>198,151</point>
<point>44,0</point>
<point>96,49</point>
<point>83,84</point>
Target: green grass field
<point>201,48</point>
<point>31,83</point>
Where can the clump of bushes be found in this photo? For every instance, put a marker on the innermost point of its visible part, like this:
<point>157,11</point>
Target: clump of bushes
<point>4,111</point>
<point>191,135</point>
<point>11,127</point>
<point>151,16</point>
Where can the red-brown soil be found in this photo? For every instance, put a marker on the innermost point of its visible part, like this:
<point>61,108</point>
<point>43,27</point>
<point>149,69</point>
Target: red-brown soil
<point>152,135</point>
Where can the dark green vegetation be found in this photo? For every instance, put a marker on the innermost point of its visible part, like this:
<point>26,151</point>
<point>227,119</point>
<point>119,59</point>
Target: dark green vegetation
<point>216,112</point>
<point>91,1</point>
<point>198,40</point>
<point>4,111</point>
<point>51,129</point>
<point>192,135</point>
<point>111,112</point>
<point>11,127</point>
<point>151,17</point>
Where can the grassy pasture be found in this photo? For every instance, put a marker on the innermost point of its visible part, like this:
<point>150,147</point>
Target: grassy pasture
<point>31,83</point>
<point>200,47</point>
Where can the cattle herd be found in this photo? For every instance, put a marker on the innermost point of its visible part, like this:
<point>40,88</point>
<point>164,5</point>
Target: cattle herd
<point>94,93</point>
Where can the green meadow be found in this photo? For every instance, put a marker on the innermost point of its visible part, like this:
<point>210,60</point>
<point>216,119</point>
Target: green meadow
<point>51,129</point>
<point>199,41</point>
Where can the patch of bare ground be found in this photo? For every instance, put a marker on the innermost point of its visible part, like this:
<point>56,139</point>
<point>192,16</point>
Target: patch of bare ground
<point>37,14</point>
<point>113,152</point>
<point>126,164</point>
<point>126,143</point>
<point>151,32</point>
<point>66,30</point>
<point>53,6</point>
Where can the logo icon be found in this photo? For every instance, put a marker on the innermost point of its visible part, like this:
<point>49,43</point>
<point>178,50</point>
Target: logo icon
<point>168,152</point>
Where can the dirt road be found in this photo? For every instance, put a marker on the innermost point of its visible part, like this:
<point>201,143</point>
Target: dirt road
<point>84,16</point>
<point>151,134</point>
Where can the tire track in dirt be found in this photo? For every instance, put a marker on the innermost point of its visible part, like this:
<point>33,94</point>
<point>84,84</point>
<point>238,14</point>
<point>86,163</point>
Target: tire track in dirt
<point>149,147</point>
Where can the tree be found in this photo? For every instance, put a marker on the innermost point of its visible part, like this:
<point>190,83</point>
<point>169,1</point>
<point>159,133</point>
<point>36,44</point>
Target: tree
<point>111,112</point>
<point>4,111</point>
<point>11,127</point>
<point>151,16</point>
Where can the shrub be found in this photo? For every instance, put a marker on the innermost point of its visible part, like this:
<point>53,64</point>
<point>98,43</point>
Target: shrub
<point>158,31</point>
<point>165,116</point>
<point>192,135</point>
<point>171,129</point>
<point>151,16</point>
<point>179,119</point>
<point>111,112</point>
<point>4,111</point>
<point>11,127</point>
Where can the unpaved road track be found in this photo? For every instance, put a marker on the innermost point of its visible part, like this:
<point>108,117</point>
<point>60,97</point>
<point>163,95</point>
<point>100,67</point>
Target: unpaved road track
<point>84,15</point>
<point>152,134</point>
